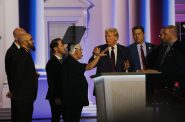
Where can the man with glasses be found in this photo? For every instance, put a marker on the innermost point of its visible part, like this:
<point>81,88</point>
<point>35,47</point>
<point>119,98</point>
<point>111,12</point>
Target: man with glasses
<point>161,35</point>
<point>169,59</point>
<point>74,88</point>
<point>169,56</point>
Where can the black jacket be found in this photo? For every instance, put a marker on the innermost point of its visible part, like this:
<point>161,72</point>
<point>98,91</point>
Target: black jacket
<point>174,62</point>
<point>8,63</point>
<point>74,92</point>
<point>54,78</point>
<point>24,77</point>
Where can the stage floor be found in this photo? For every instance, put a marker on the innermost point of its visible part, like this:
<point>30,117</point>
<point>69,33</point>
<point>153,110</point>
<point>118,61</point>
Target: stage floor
<point>49,120</point>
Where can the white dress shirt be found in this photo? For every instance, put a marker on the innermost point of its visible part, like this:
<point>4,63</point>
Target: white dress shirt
<point>58,57</point>
<point>18,46</point>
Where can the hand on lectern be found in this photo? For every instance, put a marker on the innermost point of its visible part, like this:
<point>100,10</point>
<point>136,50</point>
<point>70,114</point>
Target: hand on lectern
<point>148,71</point>
<point>126,65</point>
<point>9,95</point>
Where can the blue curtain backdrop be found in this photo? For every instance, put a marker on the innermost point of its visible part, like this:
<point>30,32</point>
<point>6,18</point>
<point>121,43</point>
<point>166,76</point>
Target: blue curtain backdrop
<point>27,17</point>
<point>27,20</point>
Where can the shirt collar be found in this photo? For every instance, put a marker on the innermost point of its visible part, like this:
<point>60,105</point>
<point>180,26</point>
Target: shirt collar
<point>58,57</point>
<point>143,44</point>
<point>115,47</point>
<point>169,44</point>
<point>18,46</point>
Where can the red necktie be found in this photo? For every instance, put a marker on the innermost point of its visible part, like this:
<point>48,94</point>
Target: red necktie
<point>143,57</point>
<point>113,59</point>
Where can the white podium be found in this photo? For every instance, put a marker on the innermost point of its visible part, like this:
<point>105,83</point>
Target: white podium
<point>121,97</point>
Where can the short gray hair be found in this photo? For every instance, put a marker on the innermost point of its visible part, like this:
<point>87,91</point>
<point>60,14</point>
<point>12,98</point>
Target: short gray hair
<point>73,48</point>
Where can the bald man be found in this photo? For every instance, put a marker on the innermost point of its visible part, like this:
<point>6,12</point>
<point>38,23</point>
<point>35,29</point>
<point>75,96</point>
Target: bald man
<point>24,80</point>
<point>169,59</point>
<point>169,56</point>
<point>8,62</point>
<point>10,52</point>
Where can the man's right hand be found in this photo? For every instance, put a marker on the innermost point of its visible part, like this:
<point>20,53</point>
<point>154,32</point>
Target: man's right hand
<point>57,101</point>
<point>126,65</point>
<point>9,95</point>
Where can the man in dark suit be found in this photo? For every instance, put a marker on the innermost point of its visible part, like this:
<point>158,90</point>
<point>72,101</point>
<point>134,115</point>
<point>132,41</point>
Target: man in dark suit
<point>74,88</point>
<point>169,55</point>
<point>139,49</point>
<point>24,80</point>
<point>118,58</point>
<point>54,72</point>
<point>8,64</point>
<point>10,52</point>
<point>169,59</point>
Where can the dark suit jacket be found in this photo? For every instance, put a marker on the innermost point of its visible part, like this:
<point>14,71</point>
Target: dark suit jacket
<point>135,55</point>
<point>8,63</point>
<point>104,64</point>
<point>24,77</point>
<point>174,62</point>
<point>74,92</point>
<point>172,70</point>
<point>54,72</point>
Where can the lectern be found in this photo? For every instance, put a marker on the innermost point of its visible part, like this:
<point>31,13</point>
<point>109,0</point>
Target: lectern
<point>123,97</point>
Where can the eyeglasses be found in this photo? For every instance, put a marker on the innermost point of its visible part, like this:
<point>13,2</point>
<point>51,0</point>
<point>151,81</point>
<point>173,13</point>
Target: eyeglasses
<point>160,35</point>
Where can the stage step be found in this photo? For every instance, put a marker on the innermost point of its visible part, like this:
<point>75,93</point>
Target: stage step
<point>5,114</point>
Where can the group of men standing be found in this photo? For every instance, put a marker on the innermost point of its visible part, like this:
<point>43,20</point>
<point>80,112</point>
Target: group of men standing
<point>67,85</point>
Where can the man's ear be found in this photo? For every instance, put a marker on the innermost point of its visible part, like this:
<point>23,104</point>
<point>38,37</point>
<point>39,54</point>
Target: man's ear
<point>117,38</point>
<point>55,49</point>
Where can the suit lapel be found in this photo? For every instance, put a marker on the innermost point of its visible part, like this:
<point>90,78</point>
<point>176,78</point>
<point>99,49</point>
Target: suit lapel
<point>137,61</point>
<point>56,59</point>
<point>148,48</point>
<point>119,57</point>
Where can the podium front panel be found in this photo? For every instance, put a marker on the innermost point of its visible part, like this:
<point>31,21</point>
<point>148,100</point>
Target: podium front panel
<point>121,98</point>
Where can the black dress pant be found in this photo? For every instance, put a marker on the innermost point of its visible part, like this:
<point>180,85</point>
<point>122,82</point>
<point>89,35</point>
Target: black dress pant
<point>23,111</point>
<point>13,112</point>
<point>56,111</point>
<point>71,114</point>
